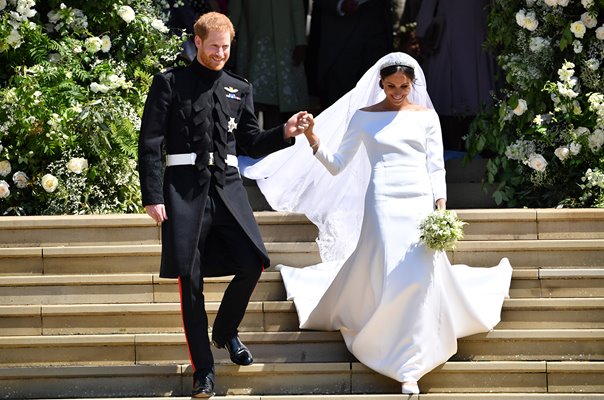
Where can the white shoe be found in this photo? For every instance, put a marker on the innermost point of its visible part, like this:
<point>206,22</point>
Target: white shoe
<point>410,388</point>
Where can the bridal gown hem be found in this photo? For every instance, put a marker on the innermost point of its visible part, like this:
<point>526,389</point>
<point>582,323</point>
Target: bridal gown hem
<point>399,306</point>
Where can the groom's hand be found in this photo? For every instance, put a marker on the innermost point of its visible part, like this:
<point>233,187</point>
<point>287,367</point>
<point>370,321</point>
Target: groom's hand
<point>295,126</point>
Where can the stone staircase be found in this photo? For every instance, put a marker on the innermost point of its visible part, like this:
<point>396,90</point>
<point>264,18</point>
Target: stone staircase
<point>83,314</point>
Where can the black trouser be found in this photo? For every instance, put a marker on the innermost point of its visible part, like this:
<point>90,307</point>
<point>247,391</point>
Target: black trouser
<point>243,262</point>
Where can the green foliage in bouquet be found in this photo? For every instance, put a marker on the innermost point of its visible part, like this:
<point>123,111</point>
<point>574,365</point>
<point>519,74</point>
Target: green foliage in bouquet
<point>73,80</point>
<point>546,131</point>
<point>441,230</point>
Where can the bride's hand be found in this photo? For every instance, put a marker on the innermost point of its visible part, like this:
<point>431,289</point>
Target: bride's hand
<point>441,204</point>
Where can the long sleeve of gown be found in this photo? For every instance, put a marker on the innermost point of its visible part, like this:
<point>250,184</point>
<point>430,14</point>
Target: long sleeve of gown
<point>435,160</point>
<point>336,162</point>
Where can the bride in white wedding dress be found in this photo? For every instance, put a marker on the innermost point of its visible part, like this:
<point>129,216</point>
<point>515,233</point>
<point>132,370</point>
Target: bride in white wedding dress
<point>399,306</point>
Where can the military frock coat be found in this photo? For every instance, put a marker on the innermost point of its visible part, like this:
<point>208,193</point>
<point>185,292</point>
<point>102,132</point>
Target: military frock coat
<point>187,110</point>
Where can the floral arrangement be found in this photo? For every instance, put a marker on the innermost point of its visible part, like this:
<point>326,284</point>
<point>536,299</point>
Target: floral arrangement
<point>73,80</point>
<point>545,134</point>
<point>441,230</point>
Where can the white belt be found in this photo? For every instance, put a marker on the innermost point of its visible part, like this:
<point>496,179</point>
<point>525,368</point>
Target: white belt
<point>189,159</point>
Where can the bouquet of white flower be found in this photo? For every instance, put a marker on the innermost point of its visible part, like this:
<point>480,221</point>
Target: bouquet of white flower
<point>441,230</point>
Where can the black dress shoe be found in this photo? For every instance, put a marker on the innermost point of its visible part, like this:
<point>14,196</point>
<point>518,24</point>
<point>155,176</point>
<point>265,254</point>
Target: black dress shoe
<point>203,384</point>
<point>238,352</point>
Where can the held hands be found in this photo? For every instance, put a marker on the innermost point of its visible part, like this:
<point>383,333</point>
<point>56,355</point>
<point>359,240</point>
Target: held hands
<point>295,125</point>
<point>157,212</point>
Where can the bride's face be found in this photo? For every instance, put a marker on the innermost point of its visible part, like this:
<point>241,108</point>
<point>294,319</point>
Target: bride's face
<point>397,87</point>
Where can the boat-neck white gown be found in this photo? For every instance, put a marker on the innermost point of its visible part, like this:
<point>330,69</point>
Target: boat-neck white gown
<point>399,306</point>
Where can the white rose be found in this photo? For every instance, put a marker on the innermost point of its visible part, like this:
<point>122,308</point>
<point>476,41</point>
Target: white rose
<point>105,44</point>
<point>537,162</point>
<point>578,29</point>
<point>521,107</point>
<point>49,183</point>
<point>77,165</point>
<point>530,22</point>
<point>520,16</point>
<point>562,153</point>
<point>2,4</point>
<point>126,13</point>
<point>159,25</point>
<point>575,148</point>
<point>20,179</point>
<point>588,20</point>
<point>5,167</point>
<point>4,191</point>
<point>600,33</point>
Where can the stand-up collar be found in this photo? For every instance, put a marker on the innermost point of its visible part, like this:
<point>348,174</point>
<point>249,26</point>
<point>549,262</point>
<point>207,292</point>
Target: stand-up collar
<point>204,72</point>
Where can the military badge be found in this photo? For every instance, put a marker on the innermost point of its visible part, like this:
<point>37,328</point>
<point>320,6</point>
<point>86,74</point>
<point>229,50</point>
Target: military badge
<point>231,93</point>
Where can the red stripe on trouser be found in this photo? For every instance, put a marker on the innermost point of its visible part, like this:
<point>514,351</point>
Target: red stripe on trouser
<point>184,328</point>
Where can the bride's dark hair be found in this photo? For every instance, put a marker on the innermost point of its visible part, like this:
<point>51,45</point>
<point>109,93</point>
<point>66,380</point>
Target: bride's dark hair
<point>391,69</point>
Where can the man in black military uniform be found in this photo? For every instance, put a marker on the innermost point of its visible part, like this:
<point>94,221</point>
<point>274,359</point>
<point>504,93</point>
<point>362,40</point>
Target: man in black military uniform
<point>200,117</point>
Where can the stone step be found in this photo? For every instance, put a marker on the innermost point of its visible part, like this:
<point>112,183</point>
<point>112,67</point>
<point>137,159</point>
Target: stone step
<point>365,396</point>
<point>268,316</point>
<point>300,378</point>
<point>483,224</point>
<point>149,288</point>
<point>288,347</point>
<point>145,258</point>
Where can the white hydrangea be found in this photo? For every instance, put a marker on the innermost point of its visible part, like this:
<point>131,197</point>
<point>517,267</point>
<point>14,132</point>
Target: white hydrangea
<point>593,64</point>
<point>537,43</point>
<point>577,47</point>
<point>159,25</point>
<point>596,140</point>
<point>575,148</point>
<point>126,13</point>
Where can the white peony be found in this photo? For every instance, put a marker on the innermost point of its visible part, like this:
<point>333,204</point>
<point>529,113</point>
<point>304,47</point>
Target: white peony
<point>93,44</point>
<point>77,165</point>
<point>5,167</point>
<point>521,107</point>
<point>20,179</point>
<point>527,20</point>
<point>600,33</point>
<point>588,20</point>
<point>49,183</point>
<point>105,44</point>
<point>126,13</point>
<point>537,162</point>
<point>4,190</point>
<point>578,29</point>
<point>562,153</point>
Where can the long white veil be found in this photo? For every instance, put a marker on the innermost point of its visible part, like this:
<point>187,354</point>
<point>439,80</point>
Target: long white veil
<point>293,180</point>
